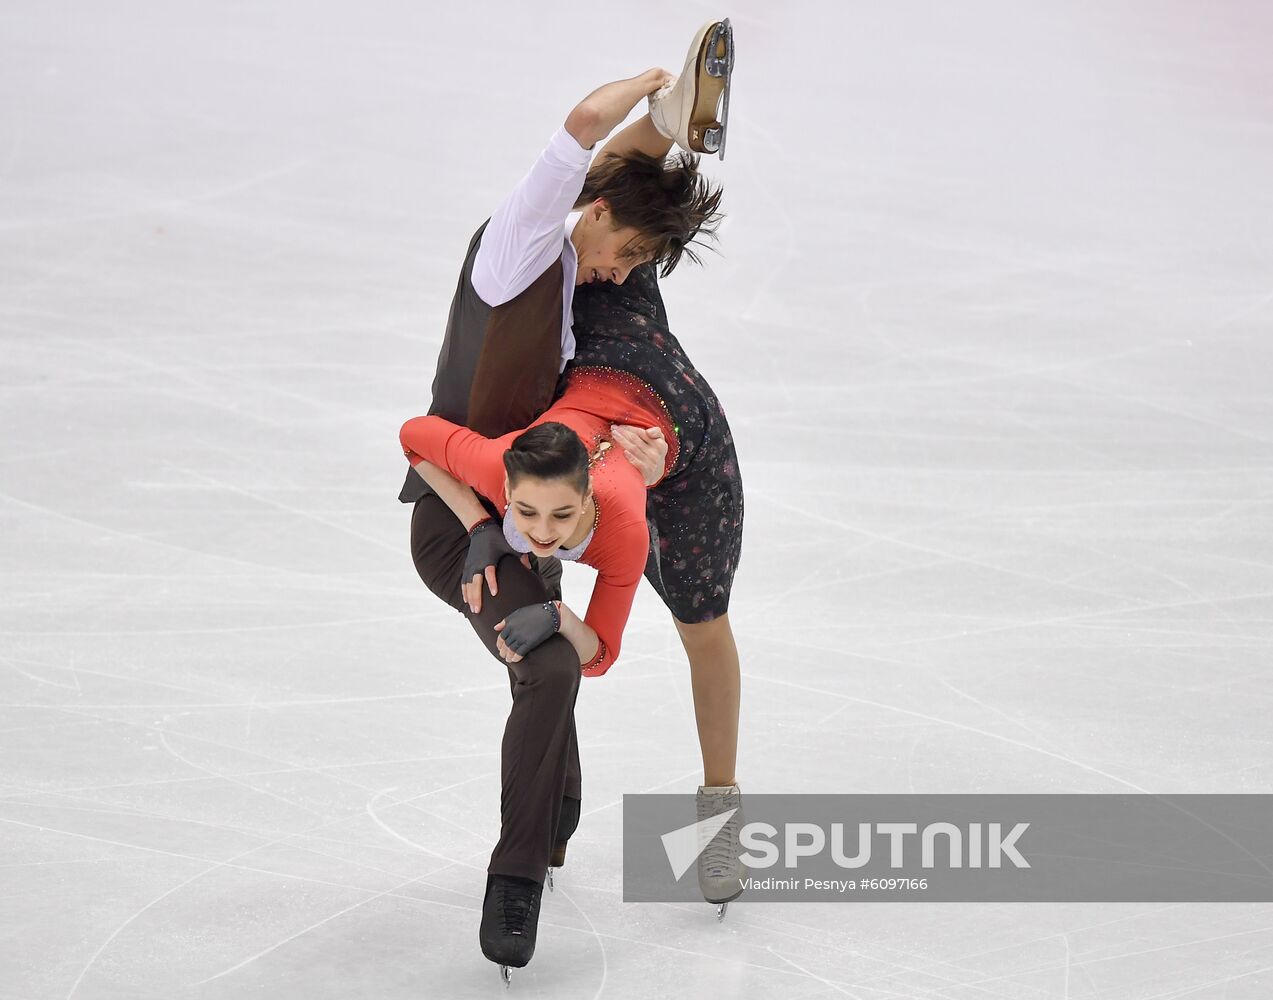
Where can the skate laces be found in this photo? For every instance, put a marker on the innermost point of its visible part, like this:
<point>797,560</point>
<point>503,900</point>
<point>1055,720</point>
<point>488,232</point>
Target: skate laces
<point>517,900</point>
<point>663,112</point>
<point>720,857</point>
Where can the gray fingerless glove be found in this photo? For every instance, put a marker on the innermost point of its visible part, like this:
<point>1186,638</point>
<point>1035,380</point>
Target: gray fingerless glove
<point>487,545</point>
<point>527,627</point>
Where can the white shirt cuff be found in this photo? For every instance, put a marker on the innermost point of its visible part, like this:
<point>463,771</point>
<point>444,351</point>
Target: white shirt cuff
<point>566,147</point>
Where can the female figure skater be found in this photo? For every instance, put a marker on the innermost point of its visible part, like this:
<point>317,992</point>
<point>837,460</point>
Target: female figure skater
<point>695,521</point>
<point>562,492</point>
<point>685,535</point>
<point>509,334</point>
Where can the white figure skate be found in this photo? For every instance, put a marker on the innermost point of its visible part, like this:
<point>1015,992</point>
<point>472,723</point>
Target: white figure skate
<point>685,110</point>
<point>720,871</point>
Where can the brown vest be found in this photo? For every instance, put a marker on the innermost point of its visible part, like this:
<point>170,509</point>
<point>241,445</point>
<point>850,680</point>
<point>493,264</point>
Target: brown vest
<point>497,369</point>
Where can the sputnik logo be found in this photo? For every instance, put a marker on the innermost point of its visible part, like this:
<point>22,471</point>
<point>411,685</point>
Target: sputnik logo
<point>683,846</point>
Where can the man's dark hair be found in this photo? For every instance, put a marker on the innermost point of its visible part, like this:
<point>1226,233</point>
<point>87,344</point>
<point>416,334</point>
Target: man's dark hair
<point>548,451</point>
<point>666,200</point>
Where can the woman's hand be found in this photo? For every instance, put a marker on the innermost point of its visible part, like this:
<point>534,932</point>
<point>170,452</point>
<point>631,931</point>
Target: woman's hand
<point>526,628</point>
<point>487,545</point>
<point>645,448</point>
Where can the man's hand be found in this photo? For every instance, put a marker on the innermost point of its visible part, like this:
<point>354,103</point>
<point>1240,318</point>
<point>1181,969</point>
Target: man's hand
<point>487,545</point>
<point>645,448</point>
<point>598,114</point>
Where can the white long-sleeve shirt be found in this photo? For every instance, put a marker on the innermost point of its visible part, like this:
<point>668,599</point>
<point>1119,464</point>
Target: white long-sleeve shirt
<point>532,228</point>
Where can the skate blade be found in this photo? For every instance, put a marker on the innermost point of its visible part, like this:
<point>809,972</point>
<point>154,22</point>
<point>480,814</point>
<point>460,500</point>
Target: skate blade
<point>506,974</point>
<point>551,887</point>
<point>720,904</point>
<point>720,911</point>
<point>713,72</point>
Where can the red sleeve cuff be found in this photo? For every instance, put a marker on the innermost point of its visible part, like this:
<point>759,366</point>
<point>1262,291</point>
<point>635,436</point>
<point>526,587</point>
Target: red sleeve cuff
<point>599,664</point>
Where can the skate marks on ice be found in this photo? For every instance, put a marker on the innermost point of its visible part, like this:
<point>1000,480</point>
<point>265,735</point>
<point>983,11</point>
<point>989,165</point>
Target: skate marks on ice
<point>1028,420</point>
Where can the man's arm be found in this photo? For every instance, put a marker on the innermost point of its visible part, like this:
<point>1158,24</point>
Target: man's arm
<point>524,235</point>
<point>598,114</point>
<point>645,448</point>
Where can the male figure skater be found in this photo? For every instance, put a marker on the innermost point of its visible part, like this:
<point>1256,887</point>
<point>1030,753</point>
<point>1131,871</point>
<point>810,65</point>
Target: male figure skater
<point>509,335</point>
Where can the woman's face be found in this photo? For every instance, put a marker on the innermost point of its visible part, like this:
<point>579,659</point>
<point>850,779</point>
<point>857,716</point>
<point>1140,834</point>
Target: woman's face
<point>545,511</point>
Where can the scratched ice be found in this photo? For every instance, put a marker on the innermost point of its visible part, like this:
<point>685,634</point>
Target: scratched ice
<point>992,325</point>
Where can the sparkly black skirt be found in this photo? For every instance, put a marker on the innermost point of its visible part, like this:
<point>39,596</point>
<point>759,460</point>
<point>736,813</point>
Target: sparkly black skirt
<point>696,513</point>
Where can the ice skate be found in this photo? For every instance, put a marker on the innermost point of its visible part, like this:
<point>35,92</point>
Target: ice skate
<point>567,823</point>
<point>510,918</point>
<point>720,871</point>
<point>685,110</point>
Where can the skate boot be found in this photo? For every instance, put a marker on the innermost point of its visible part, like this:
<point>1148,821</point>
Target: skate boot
<point>685,110</point>
<point>567,823</point>
<point>510,918</point>
<point>720,871</point>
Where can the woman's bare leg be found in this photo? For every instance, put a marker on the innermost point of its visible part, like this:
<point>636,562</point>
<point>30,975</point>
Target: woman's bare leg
<point>716,680</point>
<point>640,136</point>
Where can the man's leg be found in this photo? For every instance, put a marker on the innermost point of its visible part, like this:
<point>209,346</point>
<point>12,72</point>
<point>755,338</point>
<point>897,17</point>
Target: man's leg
<point>574,779</point>
<point>549,570</point>
<point>715,679</point>
<point>537,745</point>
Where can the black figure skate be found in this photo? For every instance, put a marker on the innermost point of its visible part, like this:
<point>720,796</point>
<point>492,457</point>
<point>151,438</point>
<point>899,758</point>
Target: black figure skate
<point>567,823</point>
<point>510,918</point>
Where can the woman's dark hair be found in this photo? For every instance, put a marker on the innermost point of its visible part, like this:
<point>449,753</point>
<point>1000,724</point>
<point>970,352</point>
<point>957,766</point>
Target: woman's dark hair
<point>666,200</point>
<point>548,451</point>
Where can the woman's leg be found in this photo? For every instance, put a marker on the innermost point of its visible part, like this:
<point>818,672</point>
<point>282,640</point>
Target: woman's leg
<point>714,675</point>
<point>642,137</point>
<point>715,678</point>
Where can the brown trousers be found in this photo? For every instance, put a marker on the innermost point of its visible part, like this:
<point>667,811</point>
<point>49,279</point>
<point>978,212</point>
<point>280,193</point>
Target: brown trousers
<point>540,760</point>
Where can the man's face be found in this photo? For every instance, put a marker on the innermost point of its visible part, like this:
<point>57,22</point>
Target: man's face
<point>606,252</point>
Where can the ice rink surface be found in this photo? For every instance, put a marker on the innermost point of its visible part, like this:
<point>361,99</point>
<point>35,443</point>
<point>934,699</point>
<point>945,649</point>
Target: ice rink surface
<point>992,324</point>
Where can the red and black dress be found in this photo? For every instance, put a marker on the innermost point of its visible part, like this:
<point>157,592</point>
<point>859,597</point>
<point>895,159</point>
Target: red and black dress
<point>695,513</point>
<point>619,547</point>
